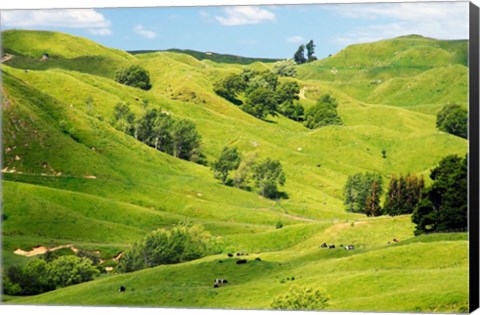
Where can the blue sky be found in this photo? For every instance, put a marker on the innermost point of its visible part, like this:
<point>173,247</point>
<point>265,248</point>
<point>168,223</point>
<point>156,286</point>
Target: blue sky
<point>254,31</point>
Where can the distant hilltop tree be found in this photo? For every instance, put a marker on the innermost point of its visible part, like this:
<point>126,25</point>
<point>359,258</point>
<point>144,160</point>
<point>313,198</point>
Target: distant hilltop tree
<point>134,76</point>
<point>299,56</point>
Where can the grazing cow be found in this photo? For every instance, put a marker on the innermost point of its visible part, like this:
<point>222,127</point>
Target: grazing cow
<point>258,259</point>
<point>241,261</point>
<point>349,247</point>
<point>219,282</point>
<point>122,289</point>
<point>324,245</point>
<point>395,240</point>
<point>230,255</point>
<point>331,246</point>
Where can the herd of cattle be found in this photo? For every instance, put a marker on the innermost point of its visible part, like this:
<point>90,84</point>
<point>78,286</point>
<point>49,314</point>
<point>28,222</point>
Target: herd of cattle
<point>220,282</point>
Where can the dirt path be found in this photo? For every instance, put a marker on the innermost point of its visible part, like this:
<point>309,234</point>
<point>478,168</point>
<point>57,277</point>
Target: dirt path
<point>39,250</point>
<point>6,58</point>
<point>301,94</point>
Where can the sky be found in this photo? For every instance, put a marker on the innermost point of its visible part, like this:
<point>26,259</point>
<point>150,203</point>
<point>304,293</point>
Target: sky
<point>272,31</point>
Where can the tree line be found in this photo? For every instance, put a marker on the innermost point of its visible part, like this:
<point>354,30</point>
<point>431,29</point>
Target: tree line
<point>157,129</point>
<point>265,176</point>
<point>442,207</point>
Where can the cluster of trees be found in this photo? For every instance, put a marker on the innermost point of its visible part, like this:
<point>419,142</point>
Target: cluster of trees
<point>403,194</point>
<point>299,56</point>
<point>183,242</point>
<point>324,113</point>
<point>443,206</point>
<point>362,193</point>
<point>453,119</point>
<point>265,175</point>
<point>285,68</point>
<point>134,76</point>
<point>263,93</point>
<point>42,275</point>
<point>157,129</point>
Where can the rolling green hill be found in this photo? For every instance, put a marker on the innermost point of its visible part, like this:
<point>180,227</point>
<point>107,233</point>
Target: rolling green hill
<point>69,177</point>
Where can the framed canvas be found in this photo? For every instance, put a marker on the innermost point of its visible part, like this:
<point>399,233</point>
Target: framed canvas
<point>246,157</point>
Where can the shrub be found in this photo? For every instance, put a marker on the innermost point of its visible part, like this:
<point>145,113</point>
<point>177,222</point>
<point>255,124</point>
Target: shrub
<point>68,270</point>
<point>134,76</point>
<point>301,297</point>
<point>182,243</point>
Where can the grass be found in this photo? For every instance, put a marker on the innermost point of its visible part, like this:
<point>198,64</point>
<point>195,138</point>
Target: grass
<point>72,178</point>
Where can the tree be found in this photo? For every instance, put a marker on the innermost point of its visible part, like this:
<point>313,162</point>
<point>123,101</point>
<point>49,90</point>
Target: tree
<point>301,297</point>
<point>310,51</point>
<point>228,161</point>
<point>287,92</point>
<point>123,119</point>
<point>260,102</point>
<point>185,139</point>
<point>267,175</point>
<point>229,87</point>
<point>243,175</point>
<point>183,242</point>
<point>403,194</point>
<point>453,119</point>
<point>299,56</point>
<point>443,206</point>
<point>324,113</point>
<point>134,76</point>
<point>362,193</point>
<point>68,270</point>
<point>285,68</point>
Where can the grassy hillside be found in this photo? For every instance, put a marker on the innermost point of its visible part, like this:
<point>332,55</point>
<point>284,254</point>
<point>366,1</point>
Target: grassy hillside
<point>69,177</point>
<point>409,71</point>
<point>65,52</point>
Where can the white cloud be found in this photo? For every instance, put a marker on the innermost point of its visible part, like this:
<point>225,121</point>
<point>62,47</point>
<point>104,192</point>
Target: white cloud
<point>442,20</point>
<point>72,18</point>
<point>140,30</point>
<point>295,39</point>
<point>243,15</point>
<point>100,31</point>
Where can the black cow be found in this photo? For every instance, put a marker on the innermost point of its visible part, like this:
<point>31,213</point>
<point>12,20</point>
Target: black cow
<point>324,245</point>
<point>122,289</point>
<point>230,255</point>
<point>349,247</point>
<point>331,246</point>
<point>241,261</point>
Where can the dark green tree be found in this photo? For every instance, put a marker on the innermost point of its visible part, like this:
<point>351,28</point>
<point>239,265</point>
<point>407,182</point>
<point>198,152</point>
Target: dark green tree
<point>299,56</point>
<point>324,113</point>
<point>267,175</point>
<point>443,206</point>
<point>229,87</point>
<point>185,139</point>
<point>134,76</point>
<point>453,119</point>
<point>310,51</point>
<point>228,161</point>
<point>261,102</point>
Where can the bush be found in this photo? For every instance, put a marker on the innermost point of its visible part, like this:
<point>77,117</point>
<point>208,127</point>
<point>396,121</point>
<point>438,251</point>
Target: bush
<point>453,119</point>
<point>182,243</point>
<point>324,113</point>
<point>68,270</point>
<point>301,297</point>
<point>134,76</point>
